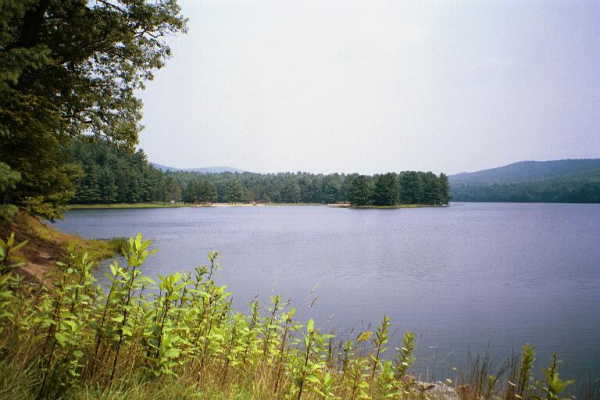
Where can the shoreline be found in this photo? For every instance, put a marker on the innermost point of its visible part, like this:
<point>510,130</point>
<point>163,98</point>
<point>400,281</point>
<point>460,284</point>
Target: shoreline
<point>125,205</point>
<point>184,205</point>
<point>47,245</point>
<point>394,207</point>
<point>208,205</point>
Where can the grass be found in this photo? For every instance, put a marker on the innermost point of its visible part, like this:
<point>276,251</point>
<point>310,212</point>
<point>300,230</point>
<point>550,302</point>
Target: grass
<point>179,338</point>
<point>46,245</point>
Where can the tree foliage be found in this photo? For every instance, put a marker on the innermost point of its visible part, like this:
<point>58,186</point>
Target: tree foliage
<point>200,190</point>
<point>360,190</point>
<point>233,191</point>
<point>566,189</point>
<point>114,175</point>
<point>386,190</point>
<point>560,181</point>
<point>70,68</point>
<point>8,180</point>
<point>407,187</point>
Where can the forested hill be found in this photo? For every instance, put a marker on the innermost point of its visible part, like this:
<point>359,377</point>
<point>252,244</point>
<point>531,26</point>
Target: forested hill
<point>525,171</point>
<point>574,181</point>
<point>113,175</point>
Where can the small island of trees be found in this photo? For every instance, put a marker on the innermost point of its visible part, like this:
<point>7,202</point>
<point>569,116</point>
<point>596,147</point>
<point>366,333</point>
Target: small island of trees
<point>391,189</point>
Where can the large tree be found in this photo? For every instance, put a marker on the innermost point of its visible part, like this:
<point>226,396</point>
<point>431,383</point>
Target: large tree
<point>360,191</point>
<point>410,185</point>
<point>385,192</point>
<point>234,191</point>
<point>70,68</point>
<point>443,189</point>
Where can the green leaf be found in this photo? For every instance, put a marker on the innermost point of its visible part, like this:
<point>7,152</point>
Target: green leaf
<point>310,326</point>
<point>61,339</point>
<point>364,336</point>
<point>172,353</point>
<point>71,324</point>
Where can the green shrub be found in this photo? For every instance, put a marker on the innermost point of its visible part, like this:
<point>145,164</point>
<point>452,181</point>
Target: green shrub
<point>181,339</point>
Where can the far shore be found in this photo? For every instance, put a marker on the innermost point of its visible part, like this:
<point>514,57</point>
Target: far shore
<point>251,204</point>
<point>180,205</point>
<point>127,205</point>
<point>397,206</point>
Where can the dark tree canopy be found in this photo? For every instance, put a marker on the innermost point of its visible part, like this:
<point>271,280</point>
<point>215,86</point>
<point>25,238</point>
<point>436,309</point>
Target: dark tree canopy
<point>411,187</point>
<point>114,175</point>
<point>385,192</point>
<point>200,190</point>
<point>360,190</point>
<point>558,190</point>
<point>303,187</point>
<point>560,181</point>
<point>233,191</point>
<point>408,187</point>
<point>70,68</point>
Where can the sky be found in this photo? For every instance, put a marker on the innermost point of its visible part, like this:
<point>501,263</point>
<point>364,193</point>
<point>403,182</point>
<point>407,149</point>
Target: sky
<point>371,86</point>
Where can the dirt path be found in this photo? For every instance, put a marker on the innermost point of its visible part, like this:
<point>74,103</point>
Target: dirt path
<point>46,245</point>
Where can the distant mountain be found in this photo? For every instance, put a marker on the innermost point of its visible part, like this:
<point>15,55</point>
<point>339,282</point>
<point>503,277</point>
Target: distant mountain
<point>163,167</point>
<point>203,170</point>
<point>576,181</point>
<point>214,170</point>
<point>527,171</point>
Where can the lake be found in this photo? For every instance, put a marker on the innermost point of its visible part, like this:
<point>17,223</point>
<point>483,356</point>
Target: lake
<point>467,279</point>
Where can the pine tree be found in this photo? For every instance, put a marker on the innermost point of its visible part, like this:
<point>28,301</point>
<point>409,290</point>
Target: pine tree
<point>360,191</point>
<point>233,192</point>
<point>386,190</point>
<point>443,189</point>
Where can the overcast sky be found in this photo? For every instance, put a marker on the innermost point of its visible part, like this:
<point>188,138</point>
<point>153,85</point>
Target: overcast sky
<point>377,85</point>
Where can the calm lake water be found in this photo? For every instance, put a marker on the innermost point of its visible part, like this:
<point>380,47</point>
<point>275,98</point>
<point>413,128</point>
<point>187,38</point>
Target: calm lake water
<point>467,279</point>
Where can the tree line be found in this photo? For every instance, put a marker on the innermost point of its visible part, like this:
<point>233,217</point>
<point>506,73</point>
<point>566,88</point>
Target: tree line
<point>409,187</point>
<point>557,190</point>
<point>114,175</point>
